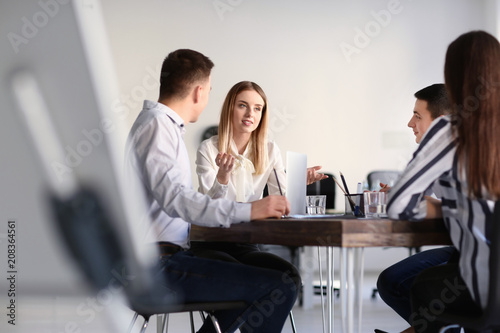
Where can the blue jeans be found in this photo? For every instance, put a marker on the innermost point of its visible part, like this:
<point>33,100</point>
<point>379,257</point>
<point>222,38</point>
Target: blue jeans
<point>269,294</point>
<point>247,254</point>
<point>395,282</point>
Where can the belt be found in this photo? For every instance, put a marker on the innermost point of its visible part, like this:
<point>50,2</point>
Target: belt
<point>168,249</point>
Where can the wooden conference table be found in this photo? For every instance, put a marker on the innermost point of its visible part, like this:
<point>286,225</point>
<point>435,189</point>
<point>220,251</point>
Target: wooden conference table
<point>350,234</point>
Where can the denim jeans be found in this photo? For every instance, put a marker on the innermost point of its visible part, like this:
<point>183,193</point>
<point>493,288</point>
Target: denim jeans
<point>395,282</point>
<point>247,254</point>
<point>269,295</point>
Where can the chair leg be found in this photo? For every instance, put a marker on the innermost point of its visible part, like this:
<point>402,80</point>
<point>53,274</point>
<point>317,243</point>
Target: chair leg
<point>145,325</point>
<point>444,329</point>
<point>159,322</point>
<point>164,329</point>
<point>215,322</point>
<point>294,329</point>
<point>191,320</point>
<point>133,322</point>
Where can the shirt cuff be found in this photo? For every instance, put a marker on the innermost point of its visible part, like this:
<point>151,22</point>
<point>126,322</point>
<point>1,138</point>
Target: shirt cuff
<point>218,190</point>
<point>243,212</point>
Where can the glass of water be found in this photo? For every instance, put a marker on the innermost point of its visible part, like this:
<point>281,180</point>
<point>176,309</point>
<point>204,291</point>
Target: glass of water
<point>316,204</point>
<point>375,204</point>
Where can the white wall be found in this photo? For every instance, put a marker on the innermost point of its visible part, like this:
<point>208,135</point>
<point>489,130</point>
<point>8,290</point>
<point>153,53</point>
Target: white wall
<point>348,113</point>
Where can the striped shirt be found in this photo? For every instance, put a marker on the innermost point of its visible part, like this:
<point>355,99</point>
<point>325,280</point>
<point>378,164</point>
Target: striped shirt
<point>435,164</point>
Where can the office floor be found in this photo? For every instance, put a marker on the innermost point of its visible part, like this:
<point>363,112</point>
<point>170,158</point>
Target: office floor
<point>105,313</point>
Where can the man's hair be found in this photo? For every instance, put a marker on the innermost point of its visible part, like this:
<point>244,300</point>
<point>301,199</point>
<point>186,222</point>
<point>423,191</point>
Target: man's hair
<point>437,100</point>
<point>181,70</point>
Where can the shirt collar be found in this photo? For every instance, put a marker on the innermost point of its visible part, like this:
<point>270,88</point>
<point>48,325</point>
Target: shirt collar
<point>176,119</point>
<point>246,152</point>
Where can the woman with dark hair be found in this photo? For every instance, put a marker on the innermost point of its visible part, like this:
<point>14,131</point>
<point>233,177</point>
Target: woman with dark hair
<point>460,158</point>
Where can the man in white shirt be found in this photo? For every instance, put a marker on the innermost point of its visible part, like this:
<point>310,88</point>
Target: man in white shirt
<point>157,154</point>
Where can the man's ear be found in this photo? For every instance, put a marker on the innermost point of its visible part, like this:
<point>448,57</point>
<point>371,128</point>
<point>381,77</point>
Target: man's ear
<point>197,94</point>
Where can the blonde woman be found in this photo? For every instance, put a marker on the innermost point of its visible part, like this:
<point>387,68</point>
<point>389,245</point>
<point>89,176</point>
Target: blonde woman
<point>237,164</point>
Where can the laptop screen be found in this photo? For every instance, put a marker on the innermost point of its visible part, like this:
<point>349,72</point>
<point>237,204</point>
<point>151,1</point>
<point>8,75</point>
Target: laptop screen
<point>296,182</point>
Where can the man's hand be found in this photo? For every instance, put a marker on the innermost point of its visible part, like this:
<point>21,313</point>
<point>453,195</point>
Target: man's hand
<point>313,175</point>
<point>434,210</point>
<point>225,162</point>
<point>384,187</point>
<point>271,206</point>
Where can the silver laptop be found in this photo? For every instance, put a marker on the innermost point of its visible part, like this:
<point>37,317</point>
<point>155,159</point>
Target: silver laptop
<point>296,182</point>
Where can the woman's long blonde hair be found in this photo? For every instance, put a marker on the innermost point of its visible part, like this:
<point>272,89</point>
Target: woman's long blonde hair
<point>258,138</point>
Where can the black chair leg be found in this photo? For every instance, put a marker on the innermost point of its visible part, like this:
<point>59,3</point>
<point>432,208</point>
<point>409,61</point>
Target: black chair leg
<point>444,329</point>
<point>145,325</point>
<point>215,322</point>
<point>292,321</point>
<point>191,320</point>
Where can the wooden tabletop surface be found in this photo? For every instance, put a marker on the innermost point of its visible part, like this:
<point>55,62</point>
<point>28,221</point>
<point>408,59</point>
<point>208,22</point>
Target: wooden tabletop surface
<point>338,232</point>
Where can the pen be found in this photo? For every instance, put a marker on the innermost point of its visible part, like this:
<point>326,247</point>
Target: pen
<point>340,186</point>
<point>358,199</point>
<point>343,182</point>
<point>277,180</point>
<point>279,186</point>
<point>359,188</point>
<point>353,205</point>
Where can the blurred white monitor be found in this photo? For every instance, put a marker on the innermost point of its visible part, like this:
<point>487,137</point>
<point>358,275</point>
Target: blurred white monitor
<point>58,131</point>
<point>296,182</point>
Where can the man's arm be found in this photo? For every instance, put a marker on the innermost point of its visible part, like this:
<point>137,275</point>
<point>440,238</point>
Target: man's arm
<point>433,157</point>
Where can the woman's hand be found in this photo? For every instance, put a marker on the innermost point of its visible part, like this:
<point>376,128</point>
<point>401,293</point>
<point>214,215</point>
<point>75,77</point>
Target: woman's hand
<point>313,175</point>
<point>225,162</point>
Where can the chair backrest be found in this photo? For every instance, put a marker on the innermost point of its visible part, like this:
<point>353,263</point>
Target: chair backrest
<point>374,178</point>
<point>325,186</point>
<point>87,231</point>
<point>489,319</point>
<point>492,311</point>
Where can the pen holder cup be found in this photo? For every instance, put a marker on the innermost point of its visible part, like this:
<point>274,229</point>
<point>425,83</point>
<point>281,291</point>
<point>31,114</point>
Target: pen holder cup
<point>354,204</point>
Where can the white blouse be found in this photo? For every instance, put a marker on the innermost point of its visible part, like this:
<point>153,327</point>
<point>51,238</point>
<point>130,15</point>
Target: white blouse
<point>244,185</point>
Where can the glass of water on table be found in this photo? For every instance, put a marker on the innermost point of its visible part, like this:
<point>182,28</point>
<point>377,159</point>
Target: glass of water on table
<point>316,204</point>
<point>375,204</point>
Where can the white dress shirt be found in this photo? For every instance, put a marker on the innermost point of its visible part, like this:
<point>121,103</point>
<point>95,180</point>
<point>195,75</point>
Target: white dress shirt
<point>244,185</point>
<point>435,164</point>
<point>157,154</point>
